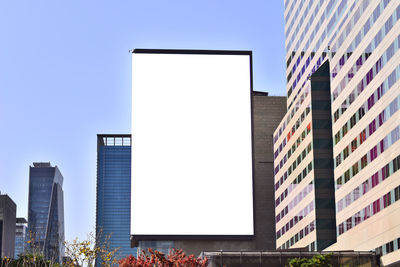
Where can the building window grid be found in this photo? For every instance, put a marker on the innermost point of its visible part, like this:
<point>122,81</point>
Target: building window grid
<point>359,62</point>
<point>373,153</point>
<point>299,236</point>
<point>295,145</point>
<point>377,94</point>
<point>292,222</point>
<point>367,26</point>
<point>370,210</point>
<point>302,156</point>
<point>292,167</point>
<point>293,129</point>
<point>299,197</point>
<point>334,18</point>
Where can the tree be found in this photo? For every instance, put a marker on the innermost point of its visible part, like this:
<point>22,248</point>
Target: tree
<point>318,260</point>
<point>176,258</point>
<point>86,252</point>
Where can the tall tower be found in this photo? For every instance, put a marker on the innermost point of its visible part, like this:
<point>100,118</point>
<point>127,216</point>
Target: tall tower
<point>113,198</point>
<point>46,210</point>
<point>361,41</point>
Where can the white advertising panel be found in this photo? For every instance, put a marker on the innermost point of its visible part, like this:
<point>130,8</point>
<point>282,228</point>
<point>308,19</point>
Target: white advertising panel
<point>192,169</point>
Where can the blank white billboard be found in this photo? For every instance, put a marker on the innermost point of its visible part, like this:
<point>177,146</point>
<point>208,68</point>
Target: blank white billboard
<point>192,171</point>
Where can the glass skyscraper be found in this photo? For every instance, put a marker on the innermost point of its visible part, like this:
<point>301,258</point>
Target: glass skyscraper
<point>361,41</point>
<point>113,199</point>
<point>46,210</point>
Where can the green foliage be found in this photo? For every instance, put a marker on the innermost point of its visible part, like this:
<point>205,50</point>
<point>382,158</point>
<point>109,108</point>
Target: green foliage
<point>28,260</point>
<point>318,260</point>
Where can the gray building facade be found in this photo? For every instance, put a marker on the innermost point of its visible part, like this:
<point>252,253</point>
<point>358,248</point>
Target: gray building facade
<point>8,211</point>
<point>46,210</point>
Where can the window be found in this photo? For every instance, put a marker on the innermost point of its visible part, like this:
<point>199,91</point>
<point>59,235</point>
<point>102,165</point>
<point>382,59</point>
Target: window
<point>337,137</point>
<point>354,145</point>
<point>344,129</point>
<point>347,176</point>
<point>373,153</point>
<point>355,168</point>
<point>353,121</point>
<point>386,200</point>
<point>349,224</point>
<point>364,161</point>
<point>345,153</point>
<point>376,206</point>
<point>362,137</point>
<point>372,127</point>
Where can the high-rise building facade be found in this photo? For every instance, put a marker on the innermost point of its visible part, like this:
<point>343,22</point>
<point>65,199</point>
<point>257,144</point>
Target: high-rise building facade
<point>8,211</point>
<point>113,197</point>
<point>20,236</point>
<point>46,210</point>
<point>360,39</point>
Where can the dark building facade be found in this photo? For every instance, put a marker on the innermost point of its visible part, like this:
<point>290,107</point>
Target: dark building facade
<point>268,111</point>
<point>7,226</point>
<point>46,210</point>
<point>113,191</point>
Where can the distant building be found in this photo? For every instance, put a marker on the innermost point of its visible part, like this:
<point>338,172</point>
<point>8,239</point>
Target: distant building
<point>20,236</point>
<point>7,226</point>
<point>113,191</point>
<point>46,210</point>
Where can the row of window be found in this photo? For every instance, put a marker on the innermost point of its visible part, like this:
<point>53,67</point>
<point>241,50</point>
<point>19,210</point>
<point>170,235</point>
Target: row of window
<point>368,184</point>
<point>301,155</point>
<point>327,11</point>
<point>364,57</point>
<point>357,40</point>
<point>292,112</point>
<point>332,22</point>
<point>308,24</point>
<point>370,210</point>
<point>367,105</point>
<point>305,12</point>
<point>374,125</point>
<point>388,247</point>
<point>338,14</point>
<point>290,152</point>
<point>296,126</point>
<point>374,152</point>
<point>297,161</point>
<point>297,218</point>
<point>300,235</point>
<point>309,188</point>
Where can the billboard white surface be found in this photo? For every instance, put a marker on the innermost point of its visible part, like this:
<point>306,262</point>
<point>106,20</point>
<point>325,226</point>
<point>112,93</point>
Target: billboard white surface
<point>192,169</point>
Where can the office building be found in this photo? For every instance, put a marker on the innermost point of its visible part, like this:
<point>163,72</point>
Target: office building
<point>304,189</point>
<point>20,236</point>
<point>46,211</point>
<point>113,191</point>
<point>8,211</point>
<point>360,39</point>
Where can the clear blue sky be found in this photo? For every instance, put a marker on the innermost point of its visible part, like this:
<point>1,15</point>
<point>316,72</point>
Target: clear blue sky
<point>65,76</point>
